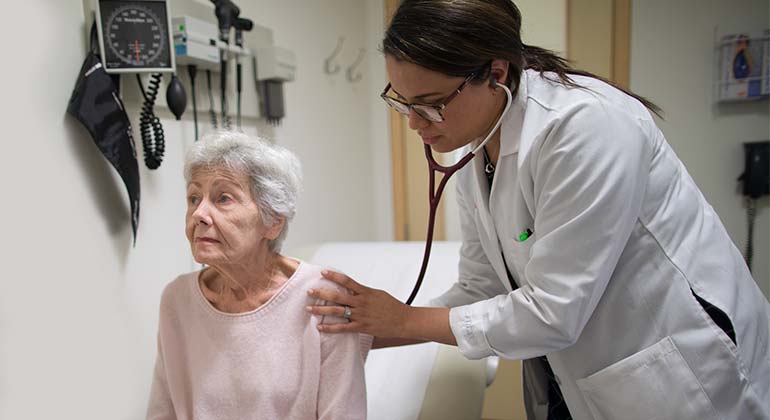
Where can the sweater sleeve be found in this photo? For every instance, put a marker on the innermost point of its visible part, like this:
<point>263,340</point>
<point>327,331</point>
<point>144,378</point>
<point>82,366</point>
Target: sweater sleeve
<point>342,390</point>
<point>160,406</point>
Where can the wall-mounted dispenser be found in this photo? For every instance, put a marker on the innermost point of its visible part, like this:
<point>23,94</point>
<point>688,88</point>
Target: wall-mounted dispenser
<point>743,66</point>
<point>275,65</point>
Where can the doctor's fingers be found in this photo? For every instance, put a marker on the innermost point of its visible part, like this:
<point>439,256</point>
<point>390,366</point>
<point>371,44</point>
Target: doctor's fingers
<point>333,296</point>
<point>338,311</point>
<point>351,326</point>
<point>344,281</point>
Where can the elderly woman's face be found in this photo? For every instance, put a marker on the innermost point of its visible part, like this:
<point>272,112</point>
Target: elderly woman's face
<point>223,223</point>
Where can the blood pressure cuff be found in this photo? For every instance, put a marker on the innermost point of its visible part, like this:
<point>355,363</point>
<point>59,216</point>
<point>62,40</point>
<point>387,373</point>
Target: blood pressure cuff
<point>96,104</point>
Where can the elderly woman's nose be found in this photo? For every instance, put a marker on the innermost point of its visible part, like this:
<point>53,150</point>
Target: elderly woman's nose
<point>202,213</point>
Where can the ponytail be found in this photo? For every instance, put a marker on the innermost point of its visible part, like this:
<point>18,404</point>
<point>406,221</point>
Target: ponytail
<point>460,37</point>
<point>543,60</point>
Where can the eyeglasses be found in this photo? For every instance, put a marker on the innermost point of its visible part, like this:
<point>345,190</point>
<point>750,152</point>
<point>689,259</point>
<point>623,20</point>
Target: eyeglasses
<point>430,112</point>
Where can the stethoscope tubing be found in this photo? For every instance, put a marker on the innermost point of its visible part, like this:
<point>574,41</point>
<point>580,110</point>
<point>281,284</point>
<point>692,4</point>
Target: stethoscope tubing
<point>434,194</point>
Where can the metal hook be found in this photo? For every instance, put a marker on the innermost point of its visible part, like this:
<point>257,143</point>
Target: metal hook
<point>328,63</point>
<point>357,76</point>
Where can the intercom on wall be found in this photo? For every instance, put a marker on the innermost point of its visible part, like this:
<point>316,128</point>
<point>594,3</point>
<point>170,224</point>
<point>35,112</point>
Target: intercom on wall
<point>756,183</point>
<point>756,176</point>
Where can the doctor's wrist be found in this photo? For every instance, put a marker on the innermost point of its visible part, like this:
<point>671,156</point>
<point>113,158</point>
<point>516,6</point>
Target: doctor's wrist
<point>429,324</point>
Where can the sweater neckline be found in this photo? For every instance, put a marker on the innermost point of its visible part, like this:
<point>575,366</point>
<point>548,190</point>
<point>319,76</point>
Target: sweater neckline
<point>279,296</point>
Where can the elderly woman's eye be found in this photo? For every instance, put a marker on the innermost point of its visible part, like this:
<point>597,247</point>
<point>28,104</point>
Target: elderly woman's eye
<point>224,198</point>
<point>192,199</point>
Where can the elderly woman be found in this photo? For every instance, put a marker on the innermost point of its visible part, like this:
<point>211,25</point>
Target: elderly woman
<point>235,339</point>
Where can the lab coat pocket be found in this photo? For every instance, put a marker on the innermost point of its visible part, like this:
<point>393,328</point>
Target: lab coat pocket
<point>654,383</point>
<point>519,252</point>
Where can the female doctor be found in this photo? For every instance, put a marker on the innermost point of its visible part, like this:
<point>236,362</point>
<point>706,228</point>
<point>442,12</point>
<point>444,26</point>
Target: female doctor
<point>584,238</point>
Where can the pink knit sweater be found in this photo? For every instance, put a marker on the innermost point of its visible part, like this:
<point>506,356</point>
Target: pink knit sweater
<point>270,363</point>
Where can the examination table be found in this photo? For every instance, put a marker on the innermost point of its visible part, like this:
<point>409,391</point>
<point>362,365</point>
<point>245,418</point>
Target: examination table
<point>426,381</point>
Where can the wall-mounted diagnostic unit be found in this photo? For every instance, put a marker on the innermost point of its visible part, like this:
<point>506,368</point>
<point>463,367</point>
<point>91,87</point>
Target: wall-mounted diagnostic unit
<point>125,37</point>
<point>145,40</point>
<point>135,36</point>
<point>195,42</point>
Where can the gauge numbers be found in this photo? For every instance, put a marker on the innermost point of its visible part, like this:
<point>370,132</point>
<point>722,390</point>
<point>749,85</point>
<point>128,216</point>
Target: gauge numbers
<point>135,35</point>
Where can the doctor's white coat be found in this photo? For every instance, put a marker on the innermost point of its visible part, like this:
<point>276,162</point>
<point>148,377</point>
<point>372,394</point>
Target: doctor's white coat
<point>622,242</point>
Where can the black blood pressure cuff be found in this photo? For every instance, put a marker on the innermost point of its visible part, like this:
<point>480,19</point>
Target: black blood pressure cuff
<point>96,104</point>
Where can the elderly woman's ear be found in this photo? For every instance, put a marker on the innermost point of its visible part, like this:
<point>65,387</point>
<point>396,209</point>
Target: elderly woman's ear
<point>274,231</point>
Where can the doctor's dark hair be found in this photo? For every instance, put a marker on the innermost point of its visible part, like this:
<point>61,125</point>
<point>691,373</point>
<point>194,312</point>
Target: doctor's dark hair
<point>461,37</point>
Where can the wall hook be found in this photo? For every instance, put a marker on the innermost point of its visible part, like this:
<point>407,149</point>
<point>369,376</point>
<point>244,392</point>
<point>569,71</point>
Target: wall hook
<point>353,75</point>
<point>329,66</point>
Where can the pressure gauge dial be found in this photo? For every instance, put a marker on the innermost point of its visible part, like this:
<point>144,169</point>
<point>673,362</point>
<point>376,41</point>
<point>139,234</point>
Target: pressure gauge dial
<point>134,36</point>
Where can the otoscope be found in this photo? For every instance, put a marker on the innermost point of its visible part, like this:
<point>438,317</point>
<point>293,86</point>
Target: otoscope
<point>241,25</point>
<point>227,14</point>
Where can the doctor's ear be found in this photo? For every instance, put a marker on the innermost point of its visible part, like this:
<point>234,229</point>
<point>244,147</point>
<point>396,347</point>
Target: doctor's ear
<point>498,73</point>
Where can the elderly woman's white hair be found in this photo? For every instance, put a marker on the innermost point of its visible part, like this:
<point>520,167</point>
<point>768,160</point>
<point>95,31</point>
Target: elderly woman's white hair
<point>274,172</point>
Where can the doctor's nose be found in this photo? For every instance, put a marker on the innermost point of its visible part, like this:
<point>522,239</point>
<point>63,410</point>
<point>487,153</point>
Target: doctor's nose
<point>416,121</point>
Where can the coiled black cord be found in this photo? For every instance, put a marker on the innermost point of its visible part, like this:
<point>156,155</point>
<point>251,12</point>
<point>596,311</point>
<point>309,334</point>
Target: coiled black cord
<point>751,214</point>
<point>151,129</point>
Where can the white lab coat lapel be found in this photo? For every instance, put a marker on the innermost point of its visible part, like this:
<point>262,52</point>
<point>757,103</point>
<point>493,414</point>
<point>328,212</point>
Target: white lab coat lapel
<point>481,196</point>
<point>487,234</point>
<point>510,132</point>
<point>525,138</point>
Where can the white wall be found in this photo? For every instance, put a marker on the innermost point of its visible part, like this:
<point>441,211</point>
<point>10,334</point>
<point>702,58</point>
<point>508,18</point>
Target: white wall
<point>672,63</point>
<point>78,307</point>
<point>379,128</point>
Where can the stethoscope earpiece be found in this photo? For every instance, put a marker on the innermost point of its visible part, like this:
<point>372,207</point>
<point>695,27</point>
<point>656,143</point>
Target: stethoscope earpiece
<point>493,80</point>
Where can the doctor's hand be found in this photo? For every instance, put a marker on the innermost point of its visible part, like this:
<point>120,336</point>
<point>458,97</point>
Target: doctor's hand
<point>371,311</point>
<point>375,312</point>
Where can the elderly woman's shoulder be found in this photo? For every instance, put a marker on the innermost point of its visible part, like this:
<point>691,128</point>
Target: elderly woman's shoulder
<point>312,277</point>
<point>179,289</point>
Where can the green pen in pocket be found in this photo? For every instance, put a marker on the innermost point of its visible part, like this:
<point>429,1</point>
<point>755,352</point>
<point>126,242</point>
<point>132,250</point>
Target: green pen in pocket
<point>523,236</point>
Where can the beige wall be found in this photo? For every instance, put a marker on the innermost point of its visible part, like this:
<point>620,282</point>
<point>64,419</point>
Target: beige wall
<point>672,63</point>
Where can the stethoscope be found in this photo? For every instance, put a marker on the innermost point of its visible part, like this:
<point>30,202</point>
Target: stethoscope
<point>448,171</point>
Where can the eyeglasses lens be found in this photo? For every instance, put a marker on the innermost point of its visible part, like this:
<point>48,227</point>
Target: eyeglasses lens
<point>425,111</point>
<point>428,112</point>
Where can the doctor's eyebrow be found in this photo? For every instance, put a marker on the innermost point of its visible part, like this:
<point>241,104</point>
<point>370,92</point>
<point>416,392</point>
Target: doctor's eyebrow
<point>421,97</point>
